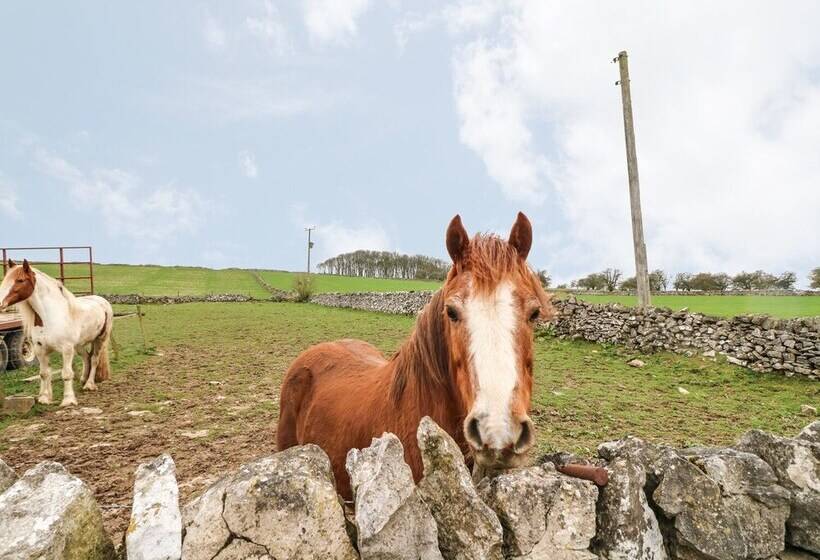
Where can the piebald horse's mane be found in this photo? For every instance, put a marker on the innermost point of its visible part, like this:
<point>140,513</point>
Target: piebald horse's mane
<point>424,359</point>
<point>27,313</point>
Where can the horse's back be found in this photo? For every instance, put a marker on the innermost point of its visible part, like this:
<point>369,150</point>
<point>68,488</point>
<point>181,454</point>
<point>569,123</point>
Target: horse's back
<point>339,357</point>
<point>312,386</point>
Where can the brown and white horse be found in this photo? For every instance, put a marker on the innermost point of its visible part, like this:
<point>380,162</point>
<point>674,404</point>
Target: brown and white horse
<point>467,365</point>
<point>55,320</point>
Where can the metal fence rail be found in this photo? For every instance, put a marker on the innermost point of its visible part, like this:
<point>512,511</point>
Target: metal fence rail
<point>4,253</point>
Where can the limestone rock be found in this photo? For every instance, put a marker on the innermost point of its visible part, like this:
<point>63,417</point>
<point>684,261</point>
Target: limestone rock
<point>206,532</point>
<point>544,513</point>
<point>7,476</point>
<point>636,363</point>
<point>50,514</point>
<point>467,527</point>
<point>18,404</point>
<point>627,526</point>
<point>811,433</point>
<point>796,463</point>
<point>393,522</point>
<point>285,505</point>
<point>243,550</point>
<point>794,554</point>
<point>155,531</point>
<point>734,507</point>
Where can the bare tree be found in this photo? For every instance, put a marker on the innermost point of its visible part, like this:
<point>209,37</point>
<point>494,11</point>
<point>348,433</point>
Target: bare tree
<point>611,276</point>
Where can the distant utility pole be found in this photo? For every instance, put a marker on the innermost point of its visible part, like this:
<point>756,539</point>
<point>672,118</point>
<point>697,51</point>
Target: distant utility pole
<point>641,268</point>
<point>310,245</point>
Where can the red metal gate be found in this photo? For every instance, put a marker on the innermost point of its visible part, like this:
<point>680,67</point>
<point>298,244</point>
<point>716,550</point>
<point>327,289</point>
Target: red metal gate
<point>62,262</point>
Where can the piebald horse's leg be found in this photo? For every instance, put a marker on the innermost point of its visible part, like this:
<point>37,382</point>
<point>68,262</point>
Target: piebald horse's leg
<point>94,359</point>
<point>45,376</point>
<point>84,354</point>
<point>68,377</point>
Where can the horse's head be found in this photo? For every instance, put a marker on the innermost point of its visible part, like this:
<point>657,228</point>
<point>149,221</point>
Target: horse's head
<point>492,299</point>
<point>17,285</point>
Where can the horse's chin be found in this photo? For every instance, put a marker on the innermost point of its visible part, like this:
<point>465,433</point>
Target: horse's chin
<point>490,462</point>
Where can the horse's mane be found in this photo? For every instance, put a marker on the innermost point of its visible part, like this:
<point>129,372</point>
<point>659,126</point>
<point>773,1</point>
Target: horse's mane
<point>27,312</point>
<point>423,359</point>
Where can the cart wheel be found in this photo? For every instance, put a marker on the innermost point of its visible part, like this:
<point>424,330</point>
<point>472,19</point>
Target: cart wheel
<point>4,356</point>
<point>20,352</point>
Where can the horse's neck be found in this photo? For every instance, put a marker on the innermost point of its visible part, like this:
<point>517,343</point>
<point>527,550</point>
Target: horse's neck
<point>48,303</point>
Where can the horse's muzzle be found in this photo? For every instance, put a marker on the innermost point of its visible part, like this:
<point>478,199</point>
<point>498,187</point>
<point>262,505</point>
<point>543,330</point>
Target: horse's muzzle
<point>511,455</point>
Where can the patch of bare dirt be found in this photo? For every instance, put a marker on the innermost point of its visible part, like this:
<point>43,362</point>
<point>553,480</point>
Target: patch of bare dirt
<point>188,403</point>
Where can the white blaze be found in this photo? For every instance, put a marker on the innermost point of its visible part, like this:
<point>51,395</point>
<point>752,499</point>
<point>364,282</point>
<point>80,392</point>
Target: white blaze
<point>491,327</point>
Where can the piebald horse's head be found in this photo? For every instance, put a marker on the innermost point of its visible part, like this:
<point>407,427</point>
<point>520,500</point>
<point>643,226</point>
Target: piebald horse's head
<point>17,285</point>
<point>492,299</point>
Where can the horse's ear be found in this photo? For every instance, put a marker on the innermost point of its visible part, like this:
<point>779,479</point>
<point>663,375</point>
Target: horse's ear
<point>521,235</point>
<point>11,263</point>
<point>26,266</point>
<point>457,239</point>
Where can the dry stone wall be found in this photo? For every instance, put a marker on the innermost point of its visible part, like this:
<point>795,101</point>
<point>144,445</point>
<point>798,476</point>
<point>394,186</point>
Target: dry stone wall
<point>137,299</point>
<point>759,342</point>
<point>759,499</point>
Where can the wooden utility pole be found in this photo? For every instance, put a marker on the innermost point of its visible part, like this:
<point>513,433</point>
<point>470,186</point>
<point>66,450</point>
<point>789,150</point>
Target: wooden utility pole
<point>309,246</point>
<point>641,268</point>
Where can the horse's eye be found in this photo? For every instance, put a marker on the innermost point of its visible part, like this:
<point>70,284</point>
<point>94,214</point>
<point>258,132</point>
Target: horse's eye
<point>19,281</point>
<point>452,313</point>
<point>535,314</point>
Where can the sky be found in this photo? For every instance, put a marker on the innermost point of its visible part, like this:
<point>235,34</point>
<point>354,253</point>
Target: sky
<point>213,133</point>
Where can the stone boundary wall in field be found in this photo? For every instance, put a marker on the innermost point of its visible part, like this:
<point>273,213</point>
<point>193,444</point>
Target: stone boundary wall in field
<point>759,342</point>
<point>758,499</point>
<point>137,299</point>
<point>402,303</point>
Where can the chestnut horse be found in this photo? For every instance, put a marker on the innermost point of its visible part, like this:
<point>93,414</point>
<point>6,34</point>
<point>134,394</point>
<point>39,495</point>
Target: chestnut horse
<point>467,365</point>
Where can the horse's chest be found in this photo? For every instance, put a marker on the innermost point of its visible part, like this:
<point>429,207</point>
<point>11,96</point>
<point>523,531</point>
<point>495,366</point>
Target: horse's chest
<point>50,339</point>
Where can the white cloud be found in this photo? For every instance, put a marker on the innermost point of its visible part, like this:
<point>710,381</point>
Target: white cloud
<point>224,100</point>
<point>120,201</point>
<point>335,238</point>
<point>8,200</point>
<point>493,121</point>
<point>333,21</point>
<point>457,18</point>
<point>214,34</point>
<point>247,163</point>
<point>268,27</point>
<point>471,14</point>
<point>727,113</point>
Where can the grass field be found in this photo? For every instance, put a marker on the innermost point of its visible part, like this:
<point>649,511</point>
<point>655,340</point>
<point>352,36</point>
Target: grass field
<point>330,283</point>
<point>181,280</point>
<point>726,306</point>
<point>153,280</point>
<point>206,385</point>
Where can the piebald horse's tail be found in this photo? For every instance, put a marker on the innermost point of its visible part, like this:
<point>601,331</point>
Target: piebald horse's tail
<point>100,347</point>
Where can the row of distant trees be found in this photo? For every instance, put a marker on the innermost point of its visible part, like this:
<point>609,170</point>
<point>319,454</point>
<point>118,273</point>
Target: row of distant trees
<point>385,264</point>
<point>612,279</point>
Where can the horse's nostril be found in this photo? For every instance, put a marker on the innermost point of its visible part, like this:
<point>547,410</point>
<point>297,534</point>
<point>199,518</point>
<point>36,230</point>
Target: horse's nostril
<point>473,434</point>
<point>526,438</point>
